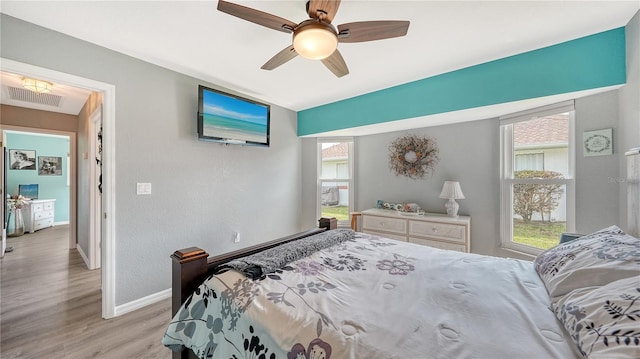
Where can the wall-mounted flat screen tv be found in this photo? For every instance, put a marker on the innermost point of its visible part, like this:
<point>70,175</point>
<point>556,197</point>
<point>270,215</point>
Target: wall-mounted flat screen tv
<point>231,119</point>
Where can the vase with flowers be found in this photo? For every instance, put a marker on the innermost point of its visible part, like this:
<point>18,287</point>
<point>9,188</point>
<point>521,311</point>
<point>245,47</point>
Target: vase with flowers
<point>16,203</point>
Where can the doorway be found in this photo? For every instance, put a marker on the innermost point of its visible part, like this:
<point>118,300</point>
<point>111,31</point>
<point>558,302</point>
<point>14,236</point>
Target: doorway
<point>54,182</point>
<point>107,230</point>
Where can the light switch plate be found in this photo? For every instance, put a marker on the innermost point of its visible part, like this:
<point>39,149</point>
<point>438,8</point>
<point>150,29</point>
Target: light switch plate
<point>143,188</point>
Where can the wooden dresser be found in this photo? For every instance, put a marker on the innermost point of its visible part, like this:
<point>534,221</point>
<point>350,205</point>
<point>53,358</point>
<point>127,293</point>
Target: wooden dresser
<point>434,230</point>
<point>38,214</point>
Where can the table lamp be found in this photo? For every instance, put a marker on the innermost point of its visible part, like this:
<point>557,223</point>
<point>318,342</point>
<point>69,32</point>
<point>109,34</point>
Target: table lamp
<point>451,190</point>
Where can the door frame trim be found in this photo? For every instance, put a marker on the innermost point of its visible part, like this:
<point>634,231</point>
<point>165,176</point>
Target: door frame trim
<point>95,207</point>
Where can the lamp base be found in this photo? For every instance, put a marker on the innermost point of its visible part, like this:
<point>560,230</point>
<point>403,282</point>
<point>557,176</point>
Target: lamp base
<point>452,207</point>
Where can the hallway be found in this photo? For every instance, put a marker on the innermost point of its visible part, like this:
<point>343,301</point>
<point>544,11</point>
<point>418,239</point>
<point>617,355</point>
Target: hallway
<point>51,306</point>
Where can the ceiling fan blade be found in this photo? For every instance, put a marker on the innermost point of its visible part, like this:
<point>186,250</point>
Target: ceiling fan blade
<point>336,64</point>
<point>328,7</point>
<point>257,16</point>
<point>280,58</point>
<point>371,30</point>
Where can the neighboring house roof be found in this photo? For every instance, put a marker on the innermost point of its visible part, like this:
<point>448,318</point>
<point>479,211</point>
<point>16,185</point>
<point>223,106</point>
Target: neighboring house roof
<point>542,131</point>
<point>338,151</point>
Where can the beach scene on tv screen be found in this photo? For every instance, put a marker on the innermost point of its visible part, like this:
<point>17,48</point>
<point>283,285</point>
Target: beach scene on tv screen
<point>230,118</point>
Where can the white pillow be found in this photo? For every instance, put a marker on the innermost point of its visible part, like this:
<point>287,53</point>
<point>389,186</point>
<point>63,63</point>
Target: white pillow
<point>592,260</point>
<point>603,321</point>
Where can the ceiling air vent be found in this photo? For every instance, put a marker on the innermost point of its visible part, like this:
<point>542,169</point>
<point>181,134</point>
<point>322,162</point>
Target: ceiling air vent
<point>21,94</point>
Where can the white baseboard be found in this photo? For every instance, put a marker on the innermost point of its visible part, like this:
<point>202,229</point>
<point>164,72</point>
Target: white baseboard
<point>142,302</point>
<point>60,223</point>
<point>83,255</point>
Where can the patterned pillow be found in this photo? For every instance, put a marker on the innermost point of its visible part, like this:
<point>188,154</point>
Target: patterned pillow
<point>592,260</point>
<point>603,321</point>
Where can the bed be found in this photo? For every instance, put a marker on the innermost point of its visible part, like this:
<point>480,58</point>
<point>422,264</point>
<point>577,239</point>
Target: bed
<point>355,295</point>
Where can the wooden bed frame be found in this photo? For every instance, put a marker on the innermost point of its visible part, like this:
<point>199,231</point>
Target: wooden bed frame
<point>191,266</point>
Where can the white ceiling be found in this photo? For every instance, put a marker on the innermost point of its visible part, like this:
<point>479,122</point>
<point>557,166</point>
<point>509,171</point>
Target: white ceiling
<point>193,38</point>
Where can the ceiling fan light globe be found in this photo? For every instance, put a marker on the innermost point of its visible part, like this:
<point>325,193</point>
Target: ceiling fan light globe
<point>315,42</point>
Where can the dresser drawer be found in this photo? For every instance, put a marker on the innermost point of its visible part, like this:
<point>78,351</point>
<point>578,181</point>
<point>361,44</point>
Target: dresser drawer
<point>37,207</point>
<point>43,214</point>
<point>397,237</point>
<point>384,224</point>
<point>438,244</point>
<point>450,232</point>
<point>42,223</point>
<point>47,206</point>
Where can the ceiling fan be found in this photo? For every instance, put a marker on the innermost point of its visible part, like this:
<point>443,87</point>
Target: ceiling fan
<point>316,38</point>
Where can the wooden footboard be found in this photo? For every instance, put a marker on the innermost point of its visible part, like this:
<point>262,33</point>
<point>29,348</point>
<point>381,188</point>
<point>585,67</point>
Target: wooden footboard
<point>191,266</point>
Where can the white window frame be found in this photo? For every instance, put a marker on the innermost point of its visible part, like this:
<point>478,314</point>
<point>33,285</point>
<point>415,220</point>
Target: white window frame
<point>350,180</point>
<point>507,180</point>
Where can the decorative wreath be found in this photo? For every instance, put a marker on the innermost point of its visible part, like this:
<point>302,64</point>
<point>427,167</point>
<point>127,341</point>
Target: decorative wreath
<point>597,143</point>
<point>413,156</point>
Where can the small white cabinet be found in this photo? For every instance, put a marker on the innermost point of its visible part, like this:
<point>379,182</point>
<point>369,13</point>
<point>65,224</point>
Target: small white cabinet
<point>38,214</point>
<point>434,230</point>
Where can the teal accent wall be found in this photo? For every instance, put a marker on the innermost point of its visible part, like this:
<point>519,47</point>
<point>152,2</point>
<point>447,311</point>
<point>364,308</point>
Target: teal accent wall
<point>50,187</point>
<point>585,63</point>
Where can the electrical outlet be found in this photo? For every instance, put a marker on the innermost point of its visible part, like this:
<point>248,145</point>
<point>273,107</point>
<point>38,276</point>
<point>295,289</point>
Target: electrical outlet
<point>236,237</point>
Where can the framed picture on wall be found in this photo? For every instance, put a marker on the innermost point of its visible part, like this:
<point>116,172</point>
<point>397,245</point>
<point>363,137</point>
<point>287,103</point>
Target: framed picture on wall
<point>598,143</point>
<point>22,159</point>
<point>49,166</point>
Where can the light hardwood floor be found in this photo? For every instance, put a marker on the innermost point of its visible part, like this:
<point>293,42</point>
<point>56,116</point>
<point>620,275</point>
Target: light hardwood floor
<point>51,306</point>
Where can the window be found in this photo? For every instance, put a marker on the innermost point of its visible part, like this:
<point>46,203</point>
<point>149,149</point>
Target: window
<point>531,161</point>
<point>537,177</point>
<point>335,178</point>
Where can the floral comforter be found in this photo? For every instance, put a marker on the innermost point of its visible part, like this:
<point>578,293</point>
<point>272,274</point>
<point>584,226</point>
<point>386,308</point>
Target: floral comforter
<point>372,297</point>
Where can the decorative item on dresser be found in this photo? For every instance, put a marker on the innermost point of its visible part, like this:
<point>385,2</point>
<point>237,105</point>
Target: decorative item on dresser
<point>14,207</point>
<point>38,214</point>
<point>434,230</point>
<point>451,190</point>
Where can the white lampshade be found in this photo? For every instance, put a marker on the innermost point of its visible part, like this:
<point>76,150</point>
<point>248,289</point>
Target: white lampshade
<point>315,40</point>
<point>451,190</point>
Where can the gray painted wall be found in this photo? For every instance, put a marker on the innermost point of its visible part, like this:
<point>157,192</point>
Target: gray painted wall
<point>309,180</point>
<point>597,200</point>
<point>202,191</point>
<point>468,153</point>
